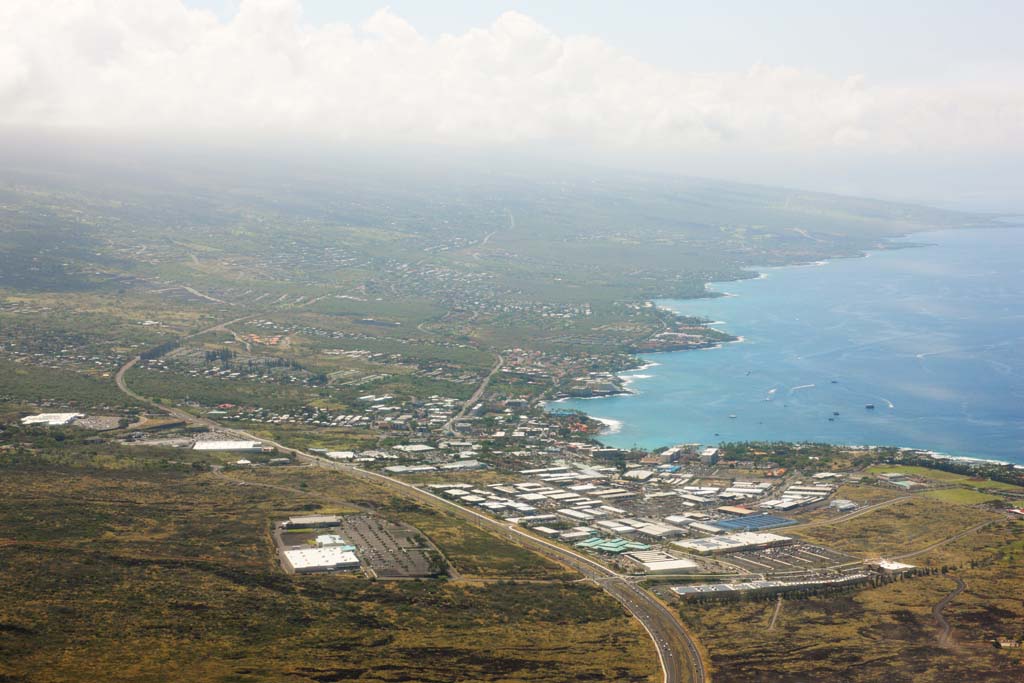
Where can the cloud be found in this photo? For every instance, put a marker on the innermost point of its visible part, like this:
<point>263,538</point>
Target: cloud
<point>158,67</point>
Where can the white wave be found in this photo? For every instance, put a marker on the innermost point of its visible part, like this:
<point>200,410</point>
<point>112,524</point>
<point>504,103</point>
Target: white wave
<point>611,426</point>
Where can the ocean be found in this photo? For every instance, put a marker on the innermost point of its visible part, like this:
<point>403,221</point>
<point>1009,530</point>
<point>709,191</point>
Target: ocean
<point>932,337</point>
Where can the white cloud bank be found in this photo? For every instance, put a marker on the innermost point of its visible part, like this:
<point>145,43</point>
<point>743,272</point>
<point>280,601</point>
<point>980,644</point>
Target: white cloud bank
<point>155,66</point>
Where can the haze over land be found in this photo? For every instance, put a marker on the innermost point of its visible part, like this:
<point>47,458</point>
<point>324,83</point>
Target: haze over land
<point>266,74</point>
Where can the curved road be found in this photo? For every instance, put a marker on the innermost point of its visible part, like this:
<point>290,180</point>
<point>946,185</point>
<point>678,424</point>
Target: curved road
<point>946,631</point>
<point>678,654</point>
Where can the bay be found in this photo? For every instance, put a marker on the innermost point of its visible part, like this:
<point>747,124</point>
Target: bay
<point>932,337</point>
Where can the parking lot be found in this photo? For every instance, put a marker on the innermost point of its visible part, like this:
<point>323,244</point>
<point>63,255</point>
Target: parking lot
<point>790,558</point>
<point>390,549</point>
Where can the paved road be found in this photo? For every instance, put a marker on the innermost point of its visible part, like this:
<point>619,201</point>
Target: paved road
<point>475,397</point>
<point>677,650</point>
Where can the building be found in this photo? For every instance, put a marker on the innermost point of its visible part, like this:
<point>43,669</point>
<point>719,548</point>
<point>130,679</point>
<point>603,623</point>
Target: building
<point>766,587</point>
<point>311,522</point>
<point>842,505</point>
<point>235,446</point>
<point>613,546</point>
<point>709,456</point>
<point>51,419</point>
<point>341,455</point>
<point>469,464</point>
<point>658,562</point>
<point>888,566</point>
<point>746,540</point>
<point>414,448</point>
<point>326,559</point>
<point>751,523</point>
<point>333,541</point>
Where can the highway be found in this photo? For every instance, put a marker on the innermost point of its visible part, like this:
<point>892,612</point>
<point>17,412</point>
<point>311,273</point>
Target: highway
<point>477,395</point>
<point>677,650</point>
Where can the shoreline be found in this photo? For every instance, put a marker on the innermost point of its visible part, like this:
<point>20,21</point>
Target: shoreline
<point>890,244</point>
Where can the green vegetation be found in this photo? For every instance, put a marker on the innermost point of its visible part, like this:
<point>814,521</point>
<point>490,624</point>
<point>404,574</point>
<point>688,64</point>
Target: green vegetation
<point>24,383</point>
<point>959,496</point>
<point>904,526</point>
<point>937,475</point>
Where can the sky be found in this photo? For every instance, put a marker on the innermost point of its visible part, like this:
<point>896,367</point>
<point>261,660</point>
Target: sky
<point>905,100</point>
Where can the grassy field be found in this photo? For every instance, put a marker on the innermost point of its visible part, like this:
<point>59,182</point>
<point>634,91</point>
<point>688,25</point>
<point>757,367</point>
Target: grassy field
<point>22,383</point>
<point>959,496</point>
<point>944,477</point>
<point>137,574</point>
<point>902,527</point>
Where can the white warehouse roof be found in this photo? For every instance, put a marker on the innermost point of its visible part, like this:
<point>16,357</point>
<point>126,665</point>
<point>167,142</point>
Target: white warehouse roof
<point>320,559</point>
<point>51,419</point>
<point>227,446</point>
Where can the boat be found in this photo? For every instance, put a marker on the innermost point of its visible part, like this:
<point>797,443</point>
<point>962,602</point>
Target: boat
<point>870,406</point>
<point>836,413</point>
<point>732,417</point>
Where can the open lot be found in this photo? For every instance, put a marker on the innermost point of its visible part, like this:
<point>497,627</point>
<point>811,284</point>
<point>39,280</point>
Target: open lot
<point>904,526</point>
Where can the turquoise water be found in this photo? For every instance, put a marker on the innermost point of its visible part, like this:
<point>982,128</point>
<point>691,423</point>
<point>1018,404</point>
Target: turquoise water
<point>933,337</point>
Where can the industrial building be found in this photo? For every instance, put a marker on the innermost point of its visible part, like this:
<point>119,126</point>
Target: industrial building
<point>746,540</point>
<point>658,562</point>
<point>327,559</point>
<point>311,522</point>
<point>727,590</point>
<point>751,523</point>
<point>236,446</point>
<point>51,419</point>
<point>614,546</point>
<point>333,541</point>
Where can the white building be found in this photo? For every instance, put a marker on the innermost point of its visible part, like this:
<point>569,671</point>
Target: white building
<point>746,540</point>
<point>51,419</point>
<point>312,521</point>
<point>237,446</point>
<point>327,559</point>
<point>658,562</point>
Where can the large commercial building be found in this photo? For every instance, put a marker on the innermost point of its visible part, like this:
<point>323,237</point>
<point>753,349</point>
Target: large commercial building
<point>326,559</point>
<point>746,540</point>
<point>311,521</point>
<point>658,562</point>
<point>51,419</point>
<point>236,446</point>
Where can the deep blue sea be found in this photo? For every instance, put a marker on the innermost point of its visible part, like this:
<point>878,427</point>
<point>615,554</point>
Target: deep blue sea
<point>932,336</point>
